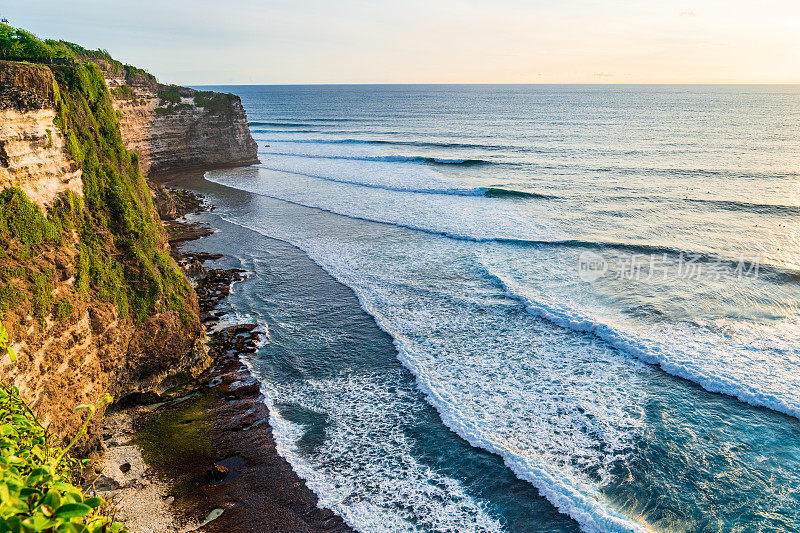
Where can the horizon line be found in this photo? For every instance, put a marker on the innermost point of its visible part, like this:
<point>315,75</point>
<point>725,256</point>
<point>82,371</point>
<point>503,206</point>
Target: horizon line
<point>666,84</point>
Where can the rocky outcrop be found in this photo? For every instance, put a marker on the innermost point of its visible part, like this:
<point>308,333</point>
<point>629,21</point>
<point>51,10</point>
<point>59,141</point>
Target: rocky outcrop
<point>73,344</point>
<point>177,128</point>
<point>32,153</point>
<point>74,357</point>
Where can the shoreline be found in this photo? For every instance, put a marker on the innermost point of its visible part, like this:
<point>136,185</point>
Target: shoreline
<point>207,459</point>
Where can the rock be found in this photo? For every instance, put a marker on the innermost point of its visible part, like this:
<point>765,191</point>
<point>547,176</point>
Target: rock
<point>122,466</point>
<point>217,473</point>
<point>32,153</point>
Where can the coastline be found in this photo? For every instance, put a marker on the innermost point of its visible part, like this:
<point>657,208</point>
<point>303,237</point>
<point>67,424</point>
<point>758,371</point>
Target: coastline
<point>201,456</point>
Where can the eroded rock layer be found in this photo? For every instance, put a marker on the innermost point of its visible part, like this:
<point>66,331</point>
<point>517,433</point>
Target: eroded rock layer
<point>188,130</point>
<point>32,153</point>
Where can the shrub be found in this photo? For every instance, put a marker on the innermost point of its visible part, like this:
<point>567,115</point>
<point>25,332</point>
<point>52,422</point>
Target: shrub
<point>212,102</point>
<point>64,309</point>
<point>124,91</point>
<point>10,297</point>
<point>170,95</point>
<point>24,220</point>
<point>42,295</point>
<point>37,490</point>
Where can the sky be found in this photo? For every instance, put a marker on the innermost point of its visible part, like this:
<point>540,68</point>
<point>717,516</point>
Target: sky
<point>433,41</point>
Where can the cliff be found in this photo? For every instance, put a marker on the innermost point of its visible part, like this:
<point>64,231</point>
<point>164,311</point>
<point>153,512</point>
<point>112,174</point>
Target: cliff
<point>32,155</point>
<point>89,295</point>
<point>177,128</point>
<point>90,298</point>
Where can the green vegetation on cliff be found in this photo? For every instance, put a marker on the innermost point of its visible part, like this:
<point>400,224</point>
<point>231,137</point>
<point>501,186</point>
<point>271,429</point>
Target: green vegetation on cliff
<point>122,255</point>
<point>118,205</point>
<point>107,245</point>
<point>17,44</point>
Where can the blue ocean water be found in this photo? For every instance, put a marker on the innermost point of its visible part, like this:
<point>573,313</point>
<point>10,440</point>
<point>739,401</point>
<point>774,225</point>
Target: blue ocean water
<point>588,298</point>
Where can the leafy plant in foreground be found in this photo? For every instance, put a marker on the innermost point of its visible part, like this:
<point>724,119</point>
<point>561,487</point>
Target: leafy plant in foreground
<point>37,490</point>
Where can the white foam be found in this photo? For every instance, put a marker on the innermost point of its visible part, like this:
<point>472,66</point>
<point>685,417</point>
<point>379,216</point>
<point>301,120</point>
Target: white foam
<point>263,334</point>
<point>551,415</point>
<point>467,217</point>
<point>553,405</point>
<point>365,470</point>
<point>381,174</point>
<point>754,363</point>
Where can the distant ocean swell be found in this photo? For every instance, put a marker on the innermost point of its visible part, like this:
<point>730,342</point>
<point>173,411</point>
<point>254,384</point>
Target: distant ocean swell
<point>398,142</point>
<point>746,263</point>
<point>393,159</point>
<point>451,191</point>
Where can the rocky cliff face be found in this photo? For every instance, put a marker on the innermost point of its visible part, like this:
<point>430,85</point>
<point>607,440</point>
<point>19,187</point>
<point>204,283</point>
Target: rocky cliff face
<point>32,149</point>
<point>80,346</point>
<point>178,128</point>
<point>75,357</point>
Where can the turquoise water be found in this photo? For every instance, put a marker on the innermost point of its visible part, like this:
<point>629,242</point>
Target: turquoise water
<point>557,307</point>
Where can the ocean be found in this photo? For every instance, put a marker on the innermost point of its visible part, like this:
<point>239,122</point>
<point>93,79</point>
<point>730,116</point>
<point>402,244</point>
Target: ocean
<point>526,308</point>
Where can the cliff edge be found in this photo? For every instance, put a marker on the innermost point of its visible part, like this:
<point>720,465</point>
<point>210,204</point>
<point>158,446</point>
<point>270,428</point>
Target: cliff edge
<point>176,128</point>
<point>32,155</point>
<point>89,295</point>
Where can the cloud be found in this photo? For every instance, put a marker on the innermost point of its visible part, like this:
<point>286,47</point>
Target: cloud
<point>690,14</point>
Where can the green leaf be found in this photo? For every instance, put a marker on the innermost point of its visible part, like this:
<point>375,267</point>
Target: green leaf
<point>73,510</point>
<point>11,354</point>
<point>51,499</point>
<point>38,475</point>
<point>13,524</point>
<point>73,496</point>
<point>94,503</point>
<point>71,527</point>
<point>37,523</point>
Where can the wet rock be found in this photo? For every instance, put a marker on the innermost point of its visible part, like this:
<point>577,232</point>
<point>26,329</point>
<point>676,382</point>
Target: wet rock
<point>217,473</point>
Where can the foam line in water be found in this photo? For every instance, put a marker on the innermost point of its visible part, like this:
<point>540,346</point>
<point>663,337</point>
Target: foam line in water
<point>572,497</point>
<point>390,158</point>
<point>470,217</point>
<point>580,502</point>
<point>288,124</point>
<point>394,493</point>
<point>403,181</point>
<point>465,216</point>
<point>398,142</point>
<point>696,357</point>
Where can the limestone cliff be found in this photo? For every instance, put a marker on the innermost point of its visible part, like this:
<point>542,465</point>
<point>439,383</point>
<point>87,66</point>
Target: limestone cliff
<point>32,153</point>
<point>75,356</point>
<point>177,128</point>
<point>67,292</point>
